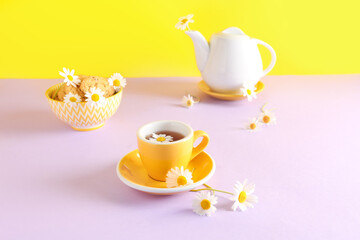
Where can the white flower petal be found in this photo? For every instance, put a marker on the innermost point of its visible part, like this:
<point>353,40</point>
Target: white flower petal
<point>245,182</point>
<point>249,188</point>
<point>62,74</point>
<point>213,199</point>
<point>235,206</point>
<point>252,198</point>
<point>242,207</point>
<point>248,205</point>
<point>238,186</point>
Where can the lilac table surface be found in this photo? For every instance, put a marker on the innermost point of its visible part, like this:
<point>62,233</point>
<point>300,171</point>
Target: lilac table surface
<point>57,183</point>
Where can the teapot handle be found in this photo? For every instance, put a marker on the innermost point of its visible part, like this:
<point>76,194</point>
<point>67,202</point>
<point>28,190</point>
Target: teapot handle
<point>273,56</point>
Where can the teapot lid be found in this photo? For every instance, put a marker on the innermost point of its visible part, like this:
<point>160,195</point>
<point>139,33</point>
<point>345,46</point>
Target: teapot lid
<point>233,32</point>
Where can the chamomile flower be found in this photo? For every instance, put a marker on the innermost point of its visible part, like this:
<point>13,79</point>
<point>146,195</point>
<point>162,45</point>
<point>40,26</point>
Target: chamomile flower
<point>204,203</point>
<point>267,116</point>
<point>95,97</point>
<point>188,101</point>
<point>178,177</point>
<point>243,197</point>
<point>117,81</point>
<point>70,78</point>
<point>183,23</point>
<point>161,138</point>
<point>253,125</point>
<point>72,99</point>
<point>248,91</point>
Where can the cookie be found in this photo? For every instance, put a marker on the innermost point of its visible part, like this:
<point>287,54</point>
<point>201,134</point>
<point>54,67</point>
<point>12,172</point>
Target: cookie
<point>65,89</point>
<point>101,83</point>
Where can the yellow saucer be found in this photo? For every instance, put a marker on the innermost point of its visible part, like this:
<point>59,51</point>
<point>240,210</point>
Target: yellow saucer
<point>131,171</point>
<point>224,96</point>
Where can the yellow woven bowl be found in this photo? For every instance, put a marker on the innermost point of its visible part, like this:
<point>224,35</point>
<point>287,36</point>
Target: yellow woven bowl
<point>83,117</point>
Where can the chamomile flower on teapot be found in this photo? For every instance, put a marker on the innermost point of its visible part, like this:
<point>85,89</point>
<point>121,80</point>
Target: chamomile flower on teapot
<point>183,23</point>
<point>177,177</point>
<point>95,97</point>
<point>117,81</point>
<point>204,203</point>
<point>70,78</point>
<point>72,99</point>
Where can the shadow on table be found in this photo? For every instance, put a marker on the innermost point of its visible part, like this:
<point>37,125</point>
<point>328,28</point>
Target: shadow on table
<point>31,122</point>
<point>104,185</point>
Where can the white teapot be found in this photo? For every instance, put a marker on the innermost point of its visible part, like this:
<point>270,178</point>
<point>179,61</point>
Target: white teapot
<point>231,60</point>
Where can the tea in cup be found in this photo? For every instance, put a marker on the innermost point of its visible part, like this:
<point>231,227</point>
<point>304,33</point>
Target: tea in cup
<point>167,144</point>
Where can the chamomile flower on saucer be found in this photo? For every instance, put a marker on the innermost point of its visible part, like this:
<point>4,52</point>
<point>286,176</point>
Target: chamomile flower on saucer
<point>95,97</point>
<point>243,197</point>
<point>72,99</point>
<point>178,177</point>
<point>183,23</point>
<point>253,125</point>
<point>70,78</point>
<point>161,138</point>
<point>117,81</point>
<point>248,91</point>
<point>204,203</point>
<point>188,101</point>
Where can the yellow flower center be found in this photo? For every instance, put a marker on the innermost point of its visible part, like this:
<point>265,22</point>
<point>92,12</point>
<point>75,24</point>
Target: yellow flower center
<point>248,91</point>
<point>242,197</point>
<point>73,99</point>
<point>189,103</point>
<point>205,204</point>
<point>70,77</point>
<point>160,139</point>
<point>252,126</point>
<point>266,119</point>
<point>184,21</point>
<point>95,97</point>
<point>116,82</point>
<point>181,180</point>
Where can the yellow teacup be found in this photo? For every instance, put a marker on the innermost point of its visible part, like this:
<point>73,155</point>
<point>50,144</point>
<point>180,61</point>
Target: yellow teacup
<point>158,157</point>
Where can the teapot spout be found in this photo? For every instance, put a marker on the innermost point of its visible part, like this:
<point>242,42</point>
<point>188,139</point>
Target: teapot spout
<point>201,48</point>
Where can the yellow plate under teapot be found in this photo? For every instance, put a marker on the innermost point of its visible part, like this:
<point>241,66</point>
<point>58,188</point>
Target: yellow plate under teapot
<point>227,97</point>
<point>131,171</point>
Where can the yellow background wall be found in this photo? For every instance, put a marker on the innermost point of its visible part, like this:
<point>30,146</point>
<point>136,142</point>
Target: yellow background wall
<point>138,38</point>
